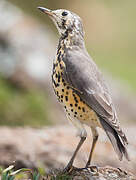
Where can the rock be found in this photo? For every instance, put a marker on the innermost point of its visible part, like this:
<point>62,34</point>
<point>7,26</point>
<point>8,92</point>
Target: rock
<point>99,173</point>
<point>53,147</point>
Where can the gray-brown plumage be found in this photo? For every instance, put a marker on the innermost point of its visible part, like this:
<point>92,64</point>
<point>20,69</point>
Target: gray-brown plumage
<point>80,87</point>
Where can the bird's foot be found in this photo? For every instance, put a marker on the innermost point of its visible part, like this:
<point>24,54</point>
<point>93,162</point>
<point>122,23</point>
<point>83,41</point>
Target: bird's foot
<point>68,168</point>
<point>92,168</point>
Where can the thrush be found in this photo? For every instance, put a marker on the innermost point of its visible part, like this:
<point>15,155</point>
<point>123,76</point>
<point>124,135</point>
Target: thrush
<point>80,86</point>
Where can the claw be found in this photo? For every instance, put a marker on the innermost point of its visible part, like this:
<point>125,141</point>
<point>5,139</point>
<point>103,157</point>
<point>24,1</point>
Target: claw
<point>92,168</point>
<point>68,169</point>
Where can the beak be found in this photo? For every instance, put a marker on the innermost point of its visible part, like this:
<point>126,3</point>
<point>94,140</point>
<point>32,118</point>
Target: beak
<point>46,11</point>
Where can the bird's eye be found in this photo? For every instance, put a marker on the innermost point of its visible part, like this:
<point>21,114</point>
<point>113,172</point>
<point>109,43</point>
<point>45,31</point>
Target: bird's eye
<point>64,13</point>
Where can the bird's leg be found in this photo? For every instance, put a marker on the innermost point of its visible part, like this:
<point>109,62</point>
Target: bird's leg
<point>83,134</point>
<point>95,138</point>
<point>69,165</point>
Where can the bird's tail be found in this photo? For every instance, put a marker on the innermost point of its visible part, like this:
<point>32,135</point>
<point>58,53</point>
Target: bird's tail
<point>117,140</point>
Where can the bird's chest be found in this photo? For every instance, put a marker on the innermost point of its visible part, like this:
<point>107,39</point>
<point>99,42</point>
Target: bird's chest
<point>74,106</point>
<point>59,84</point>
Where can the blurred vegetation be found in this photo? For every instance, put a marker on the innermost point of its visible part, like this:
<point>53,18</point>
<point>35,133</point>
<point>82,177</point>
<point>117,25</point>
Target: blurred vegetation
<point>11,174</point>
<point>22,174</point>
<point>110,31</point>
<point>110,28</point>
<point>20,107</point>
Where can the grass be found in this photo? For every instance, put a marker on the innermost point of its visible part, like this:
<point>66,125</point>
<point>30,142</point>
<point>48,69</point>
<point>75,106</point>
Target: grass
<point>10,174</point>
<point>23,174</point>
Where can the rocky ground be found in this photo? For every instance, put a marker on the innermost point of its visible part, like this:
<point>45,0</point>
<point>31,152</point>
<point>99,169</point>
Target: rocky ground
<point>52,148</point>
<point>93,173</point>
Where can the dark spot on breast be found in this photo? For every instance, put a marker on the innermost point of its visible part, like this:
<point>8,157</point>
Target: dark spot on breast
<point>75,105</point>
<point>75,112</point>
<point>74,115</point>
<point>58,77</point>
<point>66,98</point>
<point>80,99</point>
<point>55,84</point>
<point>75,99</point>
<point>65,107</point>
<point>79,107</point>
<point>73,94</point>
<point>62,100</point>
<point>61,67</point>
<point>64,84</point>
<point>54,71</point>
<point>71,110</point>
<point>69,114</point>
<point>80,115</point>
<point>62,90</point>
<point>53,65</point>
<point>61,96</point>
<point>63,54</point>
<point>68,87</point>
<point>67,92</point>
<point>83,109</point>
<point>63,80</point>
<point>59,59</point>
<point>59,47</point>
<point>71,105</point>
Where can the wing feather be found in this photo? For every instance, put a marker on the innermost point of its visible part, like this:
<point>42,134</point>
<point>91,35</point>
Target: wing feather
<point>82,74</point>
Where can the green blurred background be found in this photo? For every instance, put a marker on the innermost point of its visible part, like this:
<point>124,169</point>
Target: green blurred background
<point>110,35</point>
<point>110,28</point>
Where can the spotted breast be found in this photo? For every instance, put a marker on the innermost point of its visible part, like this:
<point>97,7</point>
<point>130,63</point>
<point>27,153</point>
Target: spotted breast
<point>73,104</point>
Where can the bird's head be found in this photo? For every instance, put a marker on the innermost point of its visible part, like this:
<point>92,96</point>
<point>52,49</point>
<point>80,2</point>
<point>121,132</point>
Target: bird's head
<point>65,21</point>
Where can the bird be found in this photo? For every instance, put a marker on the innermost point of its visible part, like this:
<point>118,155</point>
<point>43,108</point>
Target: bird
<point>80,87</point>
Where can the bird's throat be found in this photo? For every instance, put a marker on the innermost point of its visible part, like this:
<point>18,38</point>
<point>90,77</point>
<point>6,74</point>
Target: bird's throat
<point>70,39</point>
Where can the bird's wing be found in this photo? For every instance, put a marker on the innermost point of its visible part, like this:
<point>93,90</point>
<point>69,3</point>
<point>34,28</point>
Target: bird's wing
<point>82,74</point>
